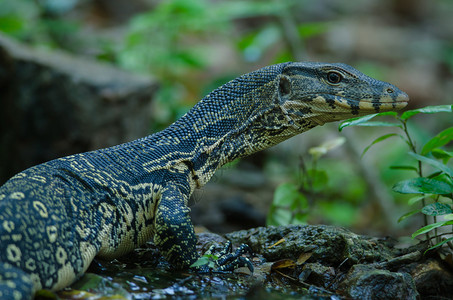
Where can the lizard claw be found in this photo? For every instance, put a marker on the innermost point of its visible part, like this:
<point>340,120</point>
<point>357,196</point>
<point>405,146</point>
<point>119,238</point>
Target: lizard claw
<point>227,260</point>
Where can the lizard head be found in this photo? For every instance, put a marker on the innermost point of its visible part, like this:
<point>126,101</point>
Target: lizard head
<point>312,94</point>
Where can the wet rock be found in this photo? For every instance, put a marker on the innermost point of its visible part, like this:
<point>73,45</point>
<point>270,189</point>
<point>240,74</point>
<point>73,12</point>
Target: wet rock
<point>329,245</point>
<point>207,239</point>
<point>317,274</point>
<point>352,265</point>
<point>398,274</point>
<point>55,104</point>
<point>368,282</point>
<point>432,278</point>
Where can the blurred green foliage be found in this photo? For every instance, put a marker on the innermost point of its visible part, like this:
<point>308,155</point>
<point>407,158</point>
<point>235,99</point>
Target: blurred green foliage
<point>168,42</point>
<point>18,18</point>
<point>315,193</point>
<point>176,40</point>
<point>38,22</point>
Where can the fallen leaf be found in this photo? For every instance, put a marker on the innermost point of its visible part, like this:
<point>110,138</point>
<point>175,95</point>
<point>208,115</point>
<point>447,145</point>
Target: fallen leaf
<point>283,264</point>
<point>304,257</point>
<point>277,243</point>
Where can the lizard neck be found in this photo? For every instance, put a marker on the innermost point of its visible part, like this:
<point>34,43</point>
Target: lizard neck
<point>220,127</point>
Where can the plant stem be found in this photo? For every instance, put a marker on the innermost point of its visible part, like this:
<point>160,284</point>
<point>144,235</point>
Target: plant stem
<point>306,183</point>
<point>419,171</point>
<point>305,176</point>
<point>412,147</point>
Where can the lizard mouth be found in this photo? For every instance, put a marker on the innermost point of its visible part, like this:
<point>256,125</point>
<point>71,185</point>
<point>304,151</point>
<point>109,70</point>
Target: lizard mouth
<point>369,104</point>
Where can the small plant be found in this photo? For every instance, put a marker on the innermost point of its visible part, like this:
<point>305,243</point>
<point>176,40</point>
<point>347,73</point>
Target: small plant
<point>207,260</point>
<point>292,200</point>
<point>433,190</point>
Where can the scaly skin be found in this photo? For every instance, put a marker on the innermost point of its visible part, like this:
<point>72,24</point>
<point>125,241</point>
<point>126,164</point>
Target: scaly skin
<point>57,216</point>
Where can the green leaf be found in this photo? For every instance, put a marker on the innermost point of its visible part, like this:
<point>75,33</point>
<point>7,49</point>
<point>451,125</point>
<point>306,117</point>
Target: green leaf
<point>436,175</point>
<point>207,259</point>
<point>444,178</point>
<point>440,244</point>
<point>311,29</point>
<point>364,119</point>
<point>430,227</point>
<point>422,185</point>
<point>355,121</point>
<point>287,198</point>
<point>339,213</point>
<point>379,124</point>
<point>442,154</point>
<point>255,45</point>
<point>436,209</point>
<point>379,139</point>
<point>439,140</point>
<point>432,162</point>
<point>416,199</point>
<point>202,261</point>
<point>287,194</point>
<point>187,58</point>
<point>407,215</point>
<point>408,168</point>
<point>299,219</point>
<point>448,217</point>
<point>427,110</point>
<point>278,216</point>
<point>319,178</point>
<point>12,24</point>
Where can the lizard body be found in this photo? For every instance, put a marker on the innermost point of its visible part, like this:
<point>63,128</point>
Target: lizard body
<point>57,216</point>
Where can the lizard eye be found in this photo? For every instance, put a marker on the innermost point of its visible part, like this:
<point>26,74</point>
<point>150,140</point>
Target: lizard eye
<point>334,77</point>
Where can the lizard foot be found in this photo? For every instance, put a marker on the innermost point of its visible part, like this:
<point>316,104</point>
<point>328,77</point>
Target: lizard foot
<point>228,261</point>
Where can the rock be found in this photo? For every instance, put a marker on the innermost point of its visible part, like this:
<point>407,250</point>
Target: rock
<point>55,104</point>
<point>207,239</point>
<point>354,266</point>
<point>368,282</point>
<point>330,245</point>
<point>432,278</point>
<point>317,274</point>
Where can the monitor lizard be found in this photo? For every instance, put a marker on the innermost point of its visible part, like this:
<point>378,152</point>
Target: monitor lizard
<point>57,216</point>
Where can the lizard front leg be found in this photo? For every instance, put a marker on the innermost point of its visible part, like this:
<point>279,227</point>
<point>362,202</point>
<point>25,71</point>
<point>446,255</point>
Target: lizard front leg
<point>175,236</point>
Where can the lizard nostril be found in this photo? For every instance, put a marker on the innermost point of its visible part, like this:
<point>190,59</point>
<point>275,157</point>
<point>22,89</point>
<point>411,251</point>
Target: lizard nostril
<point>389,90</point>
